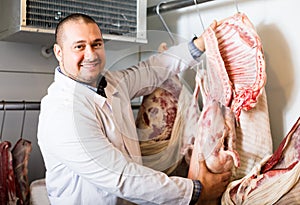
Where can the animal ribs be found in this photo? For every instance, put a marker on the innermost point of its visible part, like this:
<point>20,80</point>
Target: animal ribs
<point>235,46</point>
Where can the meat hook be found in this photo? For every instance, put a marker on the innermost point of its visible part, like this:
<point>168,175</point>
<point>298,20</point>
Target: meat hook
<point>198,11</point>
<point>3,118</point>
<point>164,23</point>
<point>236,6</point>
<point>23,120</point>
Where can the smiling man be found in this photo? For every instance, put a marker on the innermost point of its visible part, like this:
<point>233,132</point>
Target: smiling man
<point>81,57</point>
<point>89,142</point>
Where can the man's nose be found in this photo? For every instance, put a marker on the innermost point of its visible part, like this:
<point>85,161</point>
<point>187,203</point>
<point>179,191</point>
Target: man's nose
<point>89,53</point>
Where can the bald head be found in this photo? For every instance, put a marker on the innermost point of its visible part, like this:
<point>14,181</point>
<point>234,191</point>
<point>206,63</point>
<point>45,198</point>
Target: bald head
<point>59,32</point>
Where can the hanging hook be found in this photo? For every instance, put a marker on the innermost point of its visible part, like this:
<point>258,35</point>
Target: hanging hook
<point>198,11</point>
<point>23,120</point>
<point>3,118</point>
<point>236,6</point>
<point>164,23</point>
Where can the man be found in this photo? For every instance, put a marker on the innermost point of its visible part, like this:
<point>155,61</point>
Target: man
<point>89,142</point>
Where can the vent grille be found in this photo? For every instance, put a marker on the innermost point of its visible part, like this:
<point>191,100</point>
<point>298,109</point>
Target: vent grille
<point>117,17</point>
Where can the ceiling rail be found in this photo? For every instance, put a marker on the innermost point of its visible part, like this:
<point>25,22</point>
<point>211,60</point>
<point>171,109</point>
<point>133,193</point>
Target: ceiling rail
<point>173,5</point>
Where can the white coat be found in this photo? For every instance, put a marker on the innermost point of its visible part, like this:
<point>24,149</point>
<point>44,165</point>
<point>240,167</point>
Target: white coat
<point>90,144</point>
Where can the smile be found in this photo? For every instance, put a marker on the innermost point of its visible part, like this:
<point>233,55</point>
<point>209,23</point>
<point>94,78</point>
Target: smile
<point>88,65</point>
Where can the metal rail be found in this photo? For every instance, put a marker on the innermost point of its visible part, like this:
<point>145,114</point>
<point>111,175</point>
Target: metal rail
<point>32,105</point>
<point>173,5</point>
<point>19,105</point>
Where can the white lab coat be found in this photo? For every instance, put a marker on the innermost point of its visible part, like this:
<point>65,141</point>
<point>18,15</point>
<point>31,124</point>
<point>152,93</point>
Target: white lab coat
<point>90,145</point>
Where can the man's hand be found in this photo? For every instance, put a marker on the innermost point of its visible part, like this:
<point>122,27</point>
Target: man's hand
<point>199,42</point>
<point>213,185</point>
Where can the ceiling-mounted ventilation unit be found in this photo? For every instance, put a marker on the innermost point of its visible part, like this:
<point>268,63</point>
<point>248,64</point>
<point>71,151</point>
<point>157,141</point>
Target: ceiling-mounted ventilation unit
<point>34,21</point>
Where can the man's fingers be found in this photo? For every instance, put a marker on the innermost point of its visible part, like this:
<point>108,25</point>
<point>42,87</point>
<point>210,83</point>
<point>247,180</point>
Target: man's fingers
<point>214,24</point>
<point>203,165</point>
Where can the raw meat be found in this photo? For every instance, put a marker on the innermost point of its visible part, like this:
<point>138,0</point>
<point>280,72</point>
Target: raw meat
<point>154,122</point>
<point>20,153</point>
<point>273,179</point>
<point>166,126</point>
<point>236,77</point>
<point>215,132</point>
<point>215,139</point>
<point>158,111</point>
<point>7,179</point>
<point>235,46</point>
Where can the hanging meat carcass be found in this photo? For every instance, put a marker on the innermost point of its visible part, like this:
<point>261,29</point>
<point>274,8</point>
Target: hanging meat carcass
<point>155,122</point>
<point>236,77</point>
<point>158,111</point>
<point>280,172</point>
<point>166,124</point>
<point>240,53</point>
<point>7,178</point>
<point>215,138</point>
<point>20,153</point>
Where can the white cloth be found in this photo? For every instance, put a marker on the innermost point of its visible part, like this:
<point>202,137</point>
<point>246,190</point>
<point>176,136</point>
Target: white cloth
<point>38,193</point>
<point>90,145</point>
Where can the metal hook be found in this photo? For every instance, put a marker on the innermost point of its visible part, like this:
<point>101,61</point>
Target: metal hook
<point>23,120</point>
<point>3,118</point>
<point>198,11</point>
<point>236,6</point>
<point>164,23</point>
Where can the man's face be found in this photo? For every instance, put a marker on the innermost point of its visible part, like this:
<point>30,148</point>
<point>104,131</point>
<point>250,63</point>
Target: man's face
<point>81,53</point>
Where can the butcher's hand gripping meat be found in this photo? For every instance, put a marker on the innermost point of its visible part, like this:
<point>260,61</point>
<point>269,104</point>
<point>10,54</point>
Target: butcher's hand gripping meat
<point>215,136</point>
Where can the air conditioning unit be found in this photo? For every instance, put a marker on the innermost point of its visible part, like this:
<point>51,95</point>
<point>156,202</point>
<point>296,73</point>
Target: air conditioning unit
<point>34,21</point>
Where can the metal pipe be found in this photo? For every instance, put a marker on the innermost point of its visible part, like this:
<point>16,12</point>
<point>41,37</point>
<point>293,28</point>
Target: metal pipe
<point>173,5</point>
<point>19,105</point>
<point>31,105</point>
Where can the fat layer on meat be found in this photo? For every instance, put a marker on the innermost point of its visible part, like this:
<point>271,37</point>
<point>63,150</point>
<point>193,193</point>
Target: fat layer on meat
<point>275,180</point>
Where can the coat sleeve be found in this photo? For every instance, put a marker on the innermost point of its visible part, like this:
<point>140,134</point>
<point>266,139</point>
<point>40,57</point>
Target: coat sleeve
<point>73,142</point>
<point>147,75</point>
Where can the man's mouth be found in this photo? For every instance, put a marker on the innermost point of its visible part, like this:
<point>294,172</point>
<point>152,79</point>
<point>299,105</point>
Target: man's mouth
<point>90,65</point>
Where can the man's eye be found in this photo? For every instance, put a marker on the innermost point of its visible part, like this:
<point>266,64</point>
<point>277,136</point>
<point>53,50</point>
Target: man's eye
<point>79,47</point>
<point>97,45</point>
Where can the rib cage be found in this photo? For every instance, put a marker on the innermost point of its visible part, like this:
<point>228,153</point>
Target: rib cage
<point>242,54</point>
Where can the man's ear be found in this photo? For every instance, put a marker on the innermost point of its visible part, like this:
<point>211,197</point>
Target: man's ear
<point>58,52</point>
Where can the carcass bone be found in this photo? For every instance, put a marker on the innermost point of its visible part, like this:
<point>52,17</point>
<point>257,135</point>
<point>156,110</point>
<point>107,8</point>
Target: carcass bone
<point>235,51</point>
<point>241,52</point>
<point>274,177</point>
